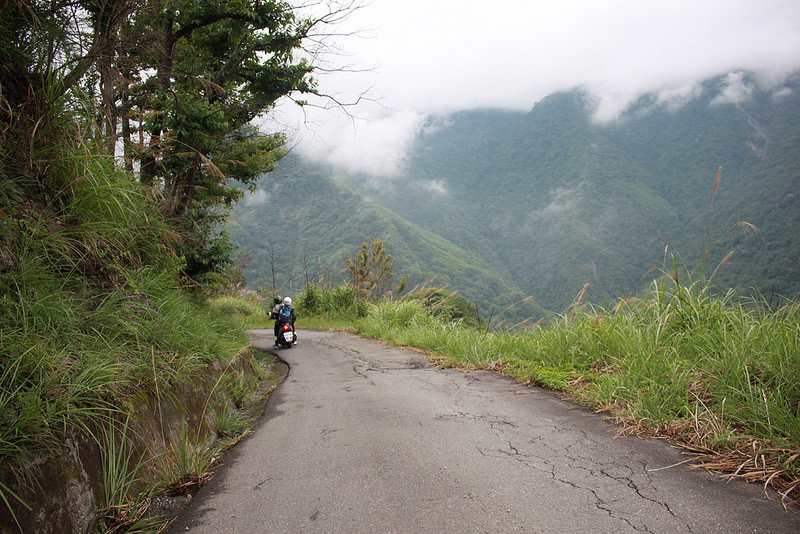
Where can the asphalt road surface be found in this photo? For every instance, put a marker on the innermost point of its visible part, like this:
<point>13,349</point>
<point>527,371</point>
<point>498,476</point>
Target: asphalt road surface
<point>363,438</point>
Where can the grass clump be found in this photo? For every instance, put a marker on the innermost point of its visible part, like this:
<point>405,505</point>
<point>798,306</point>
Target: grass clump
<point>188,464</point>
<point>120,509</point>
<point>230,422</point>
<point>329,307</point>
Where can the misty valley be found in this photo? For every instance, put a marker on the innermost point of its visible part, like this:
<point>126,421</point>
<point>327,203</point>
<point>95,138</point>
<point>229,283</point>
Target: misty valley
<point>499,205</point>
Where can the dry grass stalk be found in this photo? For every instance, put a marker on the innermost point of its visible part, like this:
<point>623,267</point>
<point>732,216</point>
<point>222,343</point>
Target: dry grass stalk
<point>188,485</point>
<point>750,463</point>
<point>126,514</point>
<point>578,304</point>
<point>497,366</point>
<point>756,465</point>
<point>746,461</point>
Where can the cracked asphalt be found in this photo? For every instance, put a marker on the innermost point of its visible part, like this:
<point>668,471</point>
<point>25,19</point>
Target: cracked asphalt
<point>364,438</point>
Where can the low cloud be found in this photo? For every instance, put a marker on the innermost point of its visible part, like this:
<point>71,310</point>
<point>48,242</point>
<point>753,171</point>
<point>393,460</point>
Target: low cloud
<point>677,97</point>
<point>375,145</point>
<point>463,55</point>
<point>564,202</point>
<point>256,198</point>
<point>737,90</point>
<point>436,186</point>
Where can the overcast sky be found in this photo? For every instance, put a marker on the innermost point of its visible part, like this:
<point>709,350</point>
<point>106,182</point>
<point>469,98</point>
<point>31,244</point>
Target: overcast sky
<point>435,56</point>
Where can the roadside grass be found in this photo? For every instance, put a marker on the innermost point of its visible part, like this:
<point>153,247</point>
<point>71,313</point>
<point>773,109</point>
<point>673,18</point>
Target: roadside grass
<point>121,509</point>
<point>248,307</point>
<point>718,375</point>
<point>91,314</point>
<point>78,362</point>
<point>336,304</point>
<point>188,465</point>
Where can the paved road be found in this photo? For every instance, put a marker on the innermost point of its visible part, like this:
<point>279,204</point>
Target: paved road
<point>365,438</point>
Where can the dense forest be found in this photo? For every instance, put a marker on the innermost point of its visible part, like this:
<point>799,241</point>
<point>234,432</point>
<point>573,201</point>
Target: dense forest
<point>500,205</point>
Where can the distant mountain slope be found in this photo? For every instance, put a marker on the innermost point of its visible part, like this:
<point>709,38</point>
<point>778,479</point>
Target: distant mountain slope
<point>307,223</point>
<point>499,205</point>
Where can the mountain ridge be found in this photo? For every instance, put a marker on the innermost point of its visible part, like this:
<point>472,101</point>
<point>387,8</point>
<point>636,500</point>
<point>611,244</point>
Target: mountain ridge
<point>541,203</point>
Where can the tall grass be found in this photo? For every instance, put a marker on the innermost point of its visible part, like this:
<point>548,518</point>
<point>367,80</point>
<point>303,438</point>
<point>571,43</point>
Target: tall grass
<point>72,360</point>
<point>329,307</point>
<point>121,510</point>
<point>187,465</point>
<point>718,374</point>
<point>90,310</point>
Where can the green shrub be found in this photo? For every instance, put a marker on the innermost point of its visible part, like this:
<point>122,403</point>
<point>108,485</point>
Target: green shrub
<point>337,302</point>
<point>227,304</point>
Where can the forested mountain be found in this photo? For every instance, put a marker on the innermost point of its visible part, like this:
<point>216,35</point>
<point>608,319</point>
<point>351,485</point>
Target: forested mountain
<point>501,205</point>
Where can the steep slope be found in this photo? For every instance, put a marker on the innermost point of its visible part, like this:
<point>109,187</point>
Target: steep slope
<point>544,195</point>
<point>564,201</point>
<point>581,211</point>
<point>756,140</point>
<point>308,223</point>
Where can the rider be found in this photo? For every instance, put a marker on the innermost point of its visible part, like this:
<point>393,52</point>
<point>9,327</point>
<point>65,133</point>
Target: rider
<point>278,302</point>
<point>276,314</point>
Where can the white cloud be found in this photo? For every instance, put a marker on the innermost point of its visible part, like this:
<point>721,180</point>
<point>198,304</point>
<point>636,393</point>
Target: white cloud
<point>256,198</point>
<point>564,201</point>
<point>448,55</point>
<point>436,186</point>
<point>373,145</point>
<point>676,97</point>
<point>736,91</point>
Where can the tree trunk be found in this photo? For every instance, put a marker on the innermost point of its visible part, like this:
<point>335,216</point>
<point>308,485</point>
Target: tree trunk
<point>109,103</point>
<point>148,170</point>
<point>125,116</point>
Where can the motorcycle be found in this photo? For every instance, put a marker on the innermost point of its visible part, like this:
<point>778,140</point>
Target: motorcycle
<point>286,337</point>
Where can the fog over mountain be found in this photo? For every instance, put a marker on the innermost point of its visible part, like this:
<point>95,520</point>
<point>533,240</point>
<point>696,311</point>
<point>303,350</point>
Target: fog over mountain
<point>500,205</point>
<point>401,63</point>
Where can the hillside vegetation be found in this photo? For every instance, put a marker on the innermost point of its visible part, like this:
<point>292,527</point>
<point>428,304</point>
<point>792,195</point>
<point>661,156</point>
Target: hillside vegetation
<point>501,205</point>
<point>121,126</point>
<point>93,322</point>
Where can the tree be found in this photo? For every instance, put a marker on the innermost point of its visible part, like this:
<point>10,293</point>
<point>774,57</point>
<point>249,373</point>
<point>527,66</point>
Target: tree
<point>371,270</point>
<point>206,72</point>
<point>215,67</point>
<point>178,81</point>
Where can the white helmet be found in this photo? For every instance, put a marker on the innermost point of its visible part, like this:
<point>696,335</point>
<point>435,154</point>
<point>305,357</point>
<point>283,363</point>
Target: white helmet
<point>287,301</point>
